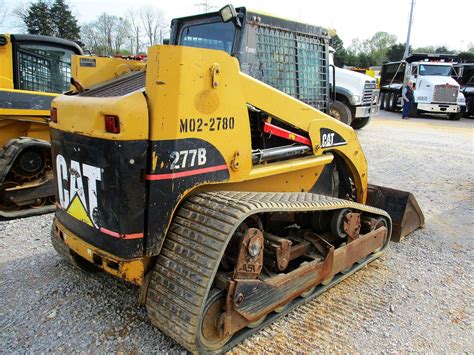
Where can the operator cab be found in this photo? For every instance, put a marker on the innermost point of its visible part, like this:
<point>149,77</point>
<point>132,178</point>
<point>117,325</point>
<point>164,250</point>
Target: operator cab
<point>290,56</point>
<point>37,63</point>
<point>435,69</point>
<point>432,69</point>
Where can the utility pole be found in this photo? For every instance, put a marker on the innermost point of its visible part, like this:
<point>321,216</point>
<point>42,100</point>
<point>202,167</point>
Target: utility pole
<point>410,21</point>
<point>205,4</point>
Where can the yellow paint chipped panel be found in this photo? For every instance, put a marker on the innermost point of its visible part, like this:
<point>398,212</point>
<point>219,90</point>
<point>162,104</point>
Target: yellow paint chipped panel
<point>131,270</point>
<point>154,161</point>
<point>85,115</point>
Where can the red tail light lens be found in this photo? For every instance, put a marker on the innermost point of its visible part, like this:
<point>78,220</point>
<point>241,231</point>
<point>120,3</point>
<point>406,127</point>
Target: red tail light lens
<point>112,124</point>
<point>54,115</point>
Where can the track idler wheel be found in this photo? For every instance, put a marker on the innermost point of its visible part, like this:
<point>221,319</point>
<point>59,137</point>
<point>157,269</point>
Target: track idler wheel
<point>256,323</point>
<point>308,293</point>
<point>281,308</point>
<point>337,223</point>
<point>211,329</point>
<point>40,202</point>
<point>29,164</point>
<point>328,280</point>
<point>5,204</point>
<point>381,222</point>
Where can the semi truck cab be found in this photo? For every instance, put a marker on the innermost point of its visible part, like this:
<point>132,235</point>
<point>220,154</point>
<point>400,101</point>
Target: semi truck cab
<point>435,90</point>
<point>357,92</point>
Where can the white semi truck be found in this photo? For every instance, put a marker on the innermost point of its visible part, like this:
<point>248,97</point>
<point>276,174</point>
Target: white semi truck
<point>435,91</point>
<point>356,96</point>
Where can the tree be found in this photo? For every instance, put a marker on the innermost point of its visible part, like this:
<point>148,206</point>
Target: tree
<point>356,46</point>
<point>64,22</point>
<point>427,49</point>
<point>340,52</point>
<point>380,42</point>
<point>371,51</point>
<point>107,35</point>
<point>153,24</point>
<point>38,20</point>
<point>121,33</point>
<point>3,11</point>
<point>351,59</point>
<point>135,30</point>
<point>466,57</point>
<point>49,19</point>
<point>91,40</point>
<point>443,50</point>
<point>105,30</point>
<point>396,51</point>
<point>378,46</point>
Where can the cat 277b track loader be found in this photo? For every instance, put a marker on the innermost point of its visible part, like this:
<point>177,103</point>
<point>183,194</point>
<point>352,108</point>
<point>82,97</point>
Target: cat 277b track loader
<point>227,201</point>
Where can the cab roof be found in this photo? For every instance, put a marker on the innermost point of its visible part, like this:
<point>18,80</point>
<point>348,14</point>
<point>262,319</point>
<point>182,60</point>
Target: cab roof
<point>432,57</point>
<point>263,18</point>
<point>60,42</point>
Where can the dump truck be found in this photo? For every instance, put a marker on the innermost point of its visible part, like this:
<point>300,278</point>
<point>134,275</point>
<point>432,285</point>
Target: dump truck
<point>33,71</point>
<point>227,201</point>
<point>435,91</point>
<point>465,76</point>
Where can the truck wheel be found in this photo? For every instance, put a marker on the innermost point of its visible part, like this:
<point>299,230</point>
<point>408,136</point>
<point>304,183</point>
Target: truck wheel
<point>360,122</point>
<point>393,102</point>
<point>382,100</point>
<point>341,112</point>
<point>387,98</point>
<point>455,116</point>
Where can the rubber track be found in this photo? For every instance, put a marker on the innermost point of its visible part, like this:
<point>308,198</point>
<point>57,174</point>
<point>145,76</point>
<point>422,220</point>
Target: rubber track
<point>194,246</point>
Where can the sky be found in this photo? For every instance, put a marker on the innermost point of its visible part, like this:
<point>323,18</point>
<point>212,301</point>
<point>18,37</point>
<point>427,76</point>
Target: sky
<point>436,22</point>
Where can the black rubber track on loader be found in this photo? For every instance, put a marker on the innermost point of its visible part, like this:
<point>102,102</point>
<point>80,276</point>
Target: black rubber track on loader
<point>194,246</point>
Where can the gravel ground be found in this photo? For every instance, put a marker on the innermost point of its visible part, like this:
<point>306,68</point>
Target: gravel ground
<point>417,297</point>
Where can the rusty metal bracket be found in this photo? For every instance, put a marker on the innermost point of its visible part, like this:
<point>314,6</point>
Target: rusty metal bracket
<point>235,163</point>
<point>321,244</point>
<point>257,298</point>
<point>280,248</point>
<point>250,259</point>
<point>352,225</point>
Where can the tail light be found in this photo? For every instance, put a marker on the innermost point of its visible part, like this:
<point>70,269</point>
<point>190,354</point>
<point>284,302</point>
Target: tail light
<point>54,115</point>
<point>112,124</point>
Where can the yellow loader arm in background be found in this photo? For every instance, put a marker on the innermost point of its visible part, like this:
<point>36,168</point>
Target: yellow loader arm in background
<point>92,70</point>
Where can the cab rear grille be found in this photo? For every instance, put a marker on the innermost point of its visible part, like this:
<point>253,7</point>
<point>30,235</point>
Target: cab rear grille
<point>118,87</point>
